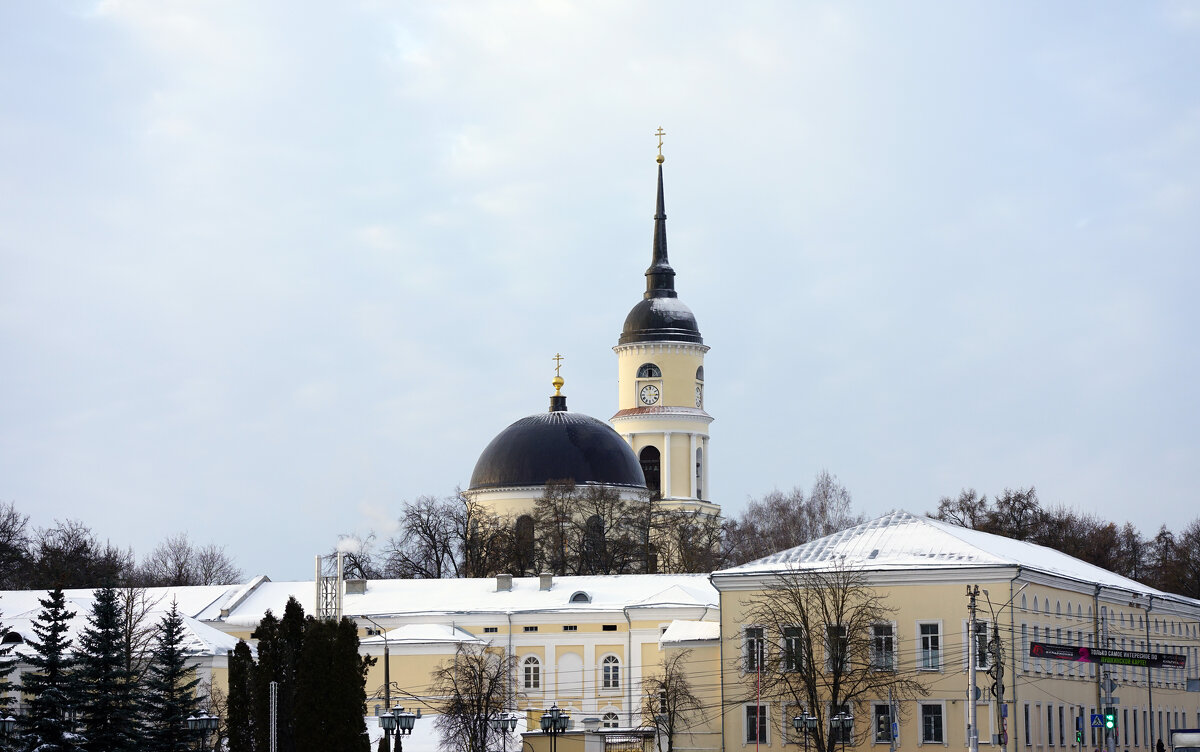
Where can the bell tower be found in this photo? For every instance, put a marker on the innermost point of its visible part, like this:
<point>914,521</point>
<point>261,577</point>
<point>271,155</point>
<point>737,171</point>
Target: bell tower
<point>660,382</point>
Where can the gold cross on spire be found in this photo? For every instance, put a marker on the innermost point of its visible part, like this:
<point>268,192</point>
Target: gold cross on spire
<point>557,363</point>
<point>660,134</point>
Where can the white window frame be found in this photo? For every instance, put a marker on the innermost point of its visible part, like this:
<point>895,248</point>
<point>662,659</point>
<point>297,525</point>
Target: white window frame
<point>531,661</point>
<point>875,718</point>
<point>607,683</point>
<point>761,652</point>
<point>987,629</point>
<point>894,640</point>
<point>765,726</point>
<point>797,653</point>
<point>845,636</point>
<point>941,706</point>
<point>614,712</point>
<point>941,649</point>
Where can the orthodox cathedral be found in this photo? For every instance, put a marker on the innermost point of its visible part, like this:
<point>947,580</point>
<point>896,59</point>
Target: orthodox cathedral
<point>656,442</point>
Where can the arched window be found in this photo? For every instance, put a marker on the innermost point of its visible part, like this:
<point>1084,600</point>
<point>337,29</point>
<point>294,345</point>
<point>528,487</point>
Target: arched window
<point>649,371</point>
<point>699,473</point>
<point>581,597</point>
<point>12,638</point>
<point>610,720</point>
<point>532,669</point>
<point>649,459</point>
<point>611,668</point>
<point>700,373</point>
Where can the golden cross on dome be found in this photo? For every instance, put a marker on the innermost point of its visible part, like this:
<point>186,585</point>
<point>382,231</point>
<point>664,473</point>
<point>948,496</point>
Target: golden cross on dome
<point>660,133</point>
<point>557,363</point>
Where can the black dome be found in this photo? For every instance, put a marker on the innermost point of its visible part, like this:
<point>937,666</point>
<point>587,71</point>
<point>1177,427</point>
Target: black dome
<point>658,319</point>
<point>557,445</point>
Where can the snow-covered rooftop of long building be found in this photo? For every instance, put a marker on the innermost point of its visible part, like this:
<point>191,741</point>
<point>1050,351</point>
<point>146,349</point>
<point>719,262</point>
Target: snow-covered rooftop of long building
<point>904,541</point>
<point>582,594</point>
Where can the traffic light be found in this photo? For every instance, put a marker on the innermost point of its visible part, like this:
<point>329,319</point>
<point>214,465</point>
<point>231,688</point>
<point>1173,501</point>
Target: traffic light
<point>1079,737</point>
<point>1079,730</point>
<point>1110,718</point>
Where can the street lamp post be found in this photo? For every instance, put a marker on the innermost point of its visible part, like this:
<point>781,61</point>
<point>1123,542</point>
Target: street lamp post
<point>401,721</point>
<point>805,724</point>
<point>505,723</point>
<point>845,723</point>
<point>7,725</point>
<point>554,722</point>
<point>387,677</point>
<point>203,724</point>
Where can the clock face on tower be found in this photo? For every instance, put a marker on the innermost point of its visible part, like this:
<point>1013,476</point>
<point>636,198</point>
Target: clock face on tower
<point>699,396</point>
<point>649,394</point>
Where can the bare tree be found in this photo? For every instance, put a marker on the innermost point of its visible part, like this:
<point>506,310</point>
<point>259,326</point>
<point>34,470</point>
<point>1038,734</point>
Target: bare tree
<point>780,521</point>
<point>68,555</point>
<point>176,562</point>
<point>429,540</point>
<point>829,652</point>
<point>473,687</point>
<point>138,630</point>
<point>970,509</point>
<point>670,705</point>
<point>14,545</point>
<point>359,559</point>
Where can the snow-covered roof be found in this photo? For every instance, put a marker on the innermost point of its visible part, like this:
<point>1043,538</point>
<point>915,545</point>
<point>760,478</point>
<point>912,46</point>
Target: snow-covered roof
<point>199,639</point>
<point>904,541</point>
<point>690,631</point>
<point>424,634</point>
<point>607,593</point>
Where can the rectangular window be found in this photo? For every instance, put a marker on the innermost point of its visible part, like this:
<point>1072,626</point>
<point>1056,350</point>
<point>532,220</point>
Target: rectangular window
<point>882,716</point>
<point>1136,739</point>
<point>570,628</point>
<point>1125,725</point>
<point>1062,725</point>
<point>793,657</point>
<point>931,647</point>
<point>530,629</point>
<point>1025,725</point>
<point>753,639</point>
<point>1050,725</point>
<point>609,628</point>
<point>981,644</point>
<point>838,647</point>
<point>756,724</point>
<point>883,647</point>
<point>932,728</point>
<point>491,629</point>
<point>1024,647</point>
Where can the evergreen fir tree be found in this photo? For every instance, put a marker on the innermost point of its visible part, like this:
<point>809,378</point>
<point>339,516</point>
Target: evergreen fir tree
<point>169,689</point>
<point>106,705</point>
<point>50,686</point>
<point>240,721</point>
<point>8,664</point>
<point>331,694</point>
<point>262,673</point>
<point>280,644</point>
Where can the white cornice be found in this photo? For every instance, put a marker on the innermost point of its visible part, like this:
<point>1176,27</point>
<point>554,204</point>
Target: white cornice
<point>638,347</point>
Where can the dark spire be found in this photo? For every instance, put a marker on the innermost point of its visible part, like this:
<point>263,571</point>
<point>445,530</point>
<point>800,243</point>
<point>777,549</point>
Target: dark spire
<point>660,277</point>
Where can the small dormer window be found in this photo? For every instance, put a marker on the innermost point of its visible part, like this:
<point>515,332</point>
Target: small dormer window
<point>649,371</point>
<point>11,638</point>
<point>581,597</point>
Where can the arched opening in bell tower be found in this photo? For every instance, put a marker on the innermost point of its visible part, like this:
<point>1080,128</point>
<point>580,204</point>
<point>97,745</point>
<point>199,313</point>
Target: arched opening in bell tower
<point>650,460</point>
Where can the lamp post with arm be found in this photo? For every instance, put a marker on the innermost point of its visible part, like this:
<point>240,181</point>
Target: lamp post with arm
<point>845,724</point>
<point>387,677</point>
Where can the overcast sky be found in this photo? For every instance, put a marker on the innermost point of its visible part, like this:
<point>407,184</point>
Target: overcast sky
<point>268,269</point>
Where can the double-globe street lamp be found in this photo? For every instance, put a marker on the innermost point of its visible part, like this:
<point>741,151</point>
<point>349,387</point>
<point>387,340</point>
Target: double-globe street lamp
<point>401,721</point>
<point>805,725</point>
<point>203,724</point>
<point>505,723</point>
<point>555,722</point>
<point>844,723</point>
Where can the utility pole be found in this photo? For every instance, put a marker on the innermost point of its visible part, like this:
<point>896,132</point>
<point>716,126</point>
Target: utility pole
<point>972,687</point>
